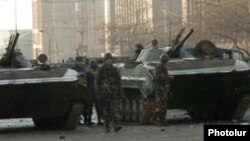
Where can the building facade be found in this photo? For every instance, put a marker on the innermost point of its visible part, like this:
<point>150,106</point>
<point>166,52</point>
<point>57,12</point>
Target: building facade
<point>64,29</point>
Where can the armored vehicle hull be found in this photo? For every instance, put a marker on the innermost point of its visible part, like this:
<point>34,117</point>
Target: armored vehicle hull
<point>207,94</point>
<point>211,96</point>
<point>215,86</point>
<point>52,98</point>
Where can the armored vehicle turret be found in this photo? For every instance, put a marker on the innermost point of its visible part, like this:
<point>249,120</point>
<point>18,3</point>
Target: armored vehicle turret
<point>51,96</point>
<point>210,82</point>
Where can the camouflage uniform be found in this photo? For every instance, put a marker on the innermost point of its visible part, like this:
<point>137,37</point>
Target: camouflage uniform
<point>108,83</point>
<point>161,86</point>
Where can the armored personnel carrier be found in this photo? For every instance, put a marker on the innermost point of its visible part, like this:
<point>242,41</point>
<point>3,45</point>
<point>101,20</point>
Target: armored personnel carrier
<point>211,83</point>
<point>51,96</point>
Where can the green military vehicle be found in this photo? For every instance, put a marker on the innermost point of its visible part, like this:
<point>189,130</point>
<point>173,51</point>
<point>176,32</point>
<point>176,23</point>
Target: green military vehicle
<point>51,96</point>
<point>211,83</point>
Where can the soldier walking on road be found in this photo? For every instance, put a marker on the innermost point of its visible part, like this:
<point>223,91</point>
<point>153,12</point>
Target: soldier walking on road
<point>161,86</point>
<point>108,86</point>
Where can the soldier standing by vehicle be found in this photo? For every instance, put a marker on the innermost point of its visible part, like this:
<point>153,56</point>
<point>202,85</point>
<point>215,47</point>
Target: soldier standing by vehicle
<point>79,67</point>
<point>91,96</point>
<point>108,81</point>
<point>161,86</point>
<point>155,43</point>
<point>138,50</point>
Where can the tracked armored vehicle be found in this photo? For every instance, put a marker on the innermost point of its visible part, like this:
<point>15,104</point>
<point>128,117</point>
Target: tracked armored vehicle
<point>211,83</point>
<point>51,96</point>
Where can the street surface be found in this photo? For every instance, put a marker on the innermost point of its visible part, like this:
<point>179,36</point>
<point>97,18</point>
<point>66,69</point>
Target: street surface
<point>180,129</point>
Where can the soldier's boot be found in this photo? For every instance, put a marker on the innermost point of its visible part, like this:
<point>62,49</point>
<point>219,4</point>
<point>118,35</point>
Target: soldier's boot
<point>155,117</point>
<point>107,128</point>
<point>90,123</point>
<point>117,127</point>
<point>99,121</point>
<point>163,121</point>
<point>86,119</point>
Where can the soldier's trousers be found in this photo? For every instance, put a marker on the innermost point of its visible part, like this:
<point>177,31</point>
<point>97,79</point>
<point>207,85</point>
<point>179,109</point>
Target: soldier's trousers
<point>161,99</point>
<point>111,112</point>
<point>99,111</point>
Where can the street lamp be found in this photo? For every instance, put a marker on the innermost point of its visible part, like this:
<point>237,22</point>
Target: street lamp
<point>42,31</point>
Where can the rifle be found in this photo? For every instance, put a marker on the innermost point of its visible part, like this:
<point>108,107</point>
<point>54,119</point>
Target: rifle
<point>10,51</point>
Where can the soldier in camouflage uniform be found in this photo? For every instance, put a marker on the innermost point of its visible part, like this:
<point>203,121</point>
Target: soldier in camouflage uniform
<point>108,86</point>
<point>161,86</point>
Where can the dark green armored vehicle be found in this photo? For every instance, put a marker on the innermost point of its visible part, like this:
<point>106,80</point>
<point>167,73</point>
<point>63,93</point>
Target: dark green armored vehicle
<point>211,83</point>
<point>51,96</point>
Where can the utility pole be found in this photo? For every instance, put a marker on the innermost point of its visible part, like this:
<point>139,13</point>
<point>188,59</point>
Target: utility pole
<point>170,21</point>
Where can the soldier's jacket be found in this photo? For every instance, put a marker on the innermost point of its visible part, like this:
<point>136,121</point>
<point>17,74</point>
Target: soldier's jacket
<point>79,68</point>
<point>90,81</point>
<point>161,75</point>
<point>108,82</point>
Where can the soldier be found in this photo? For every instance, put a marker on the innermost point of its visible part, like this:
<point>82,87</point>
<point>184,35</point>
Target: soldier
<point>91,96</point>
<point>79,67</point>
<point>161,86</point>
<point>155,43</point>
<point>108,84</point>
<point>138,50</point>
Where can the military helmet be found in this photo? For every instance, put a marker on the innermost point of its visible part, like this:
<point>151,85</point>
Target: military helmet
<point>107,56</point>
<point>164,57</point>
<point>93,64</point>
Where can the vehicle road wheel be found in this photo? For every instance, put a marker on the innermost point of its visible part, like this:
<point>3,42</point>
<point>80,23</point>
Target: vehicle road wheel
<point>127,110</point>
<point>141,106</point>
<point>134,111</point>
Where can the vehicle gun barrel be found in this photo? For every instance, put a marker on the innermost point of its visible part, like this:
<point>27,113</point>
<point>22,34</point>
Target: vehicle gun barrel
<point>177,39</point>
<point>175,50</point>
<point>10,51</point>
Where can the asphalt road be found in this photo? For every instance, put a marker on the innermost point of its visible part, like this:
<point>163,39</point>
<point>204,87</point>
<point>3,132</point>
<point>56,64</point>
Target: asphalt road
<point>180,129</point>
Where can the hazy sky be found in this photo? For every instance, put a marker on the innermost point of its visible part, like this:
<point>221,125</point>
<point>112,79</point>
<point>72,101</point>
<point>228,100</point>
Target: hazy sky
<point>7,14</point>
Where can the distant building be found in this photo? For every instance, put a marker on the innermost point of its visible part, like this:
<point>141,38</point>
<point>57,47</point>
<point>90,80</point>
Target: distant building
<point>63,29</point>
<point>139,21</point>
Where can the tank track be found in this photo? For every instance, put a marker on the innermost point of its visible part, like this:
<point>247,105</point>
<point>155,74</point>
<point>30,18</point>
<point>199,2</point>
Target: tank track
<point>140,111</point>
<point>242,107</point>
<point>150,107</point>
<point>74,115</point>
